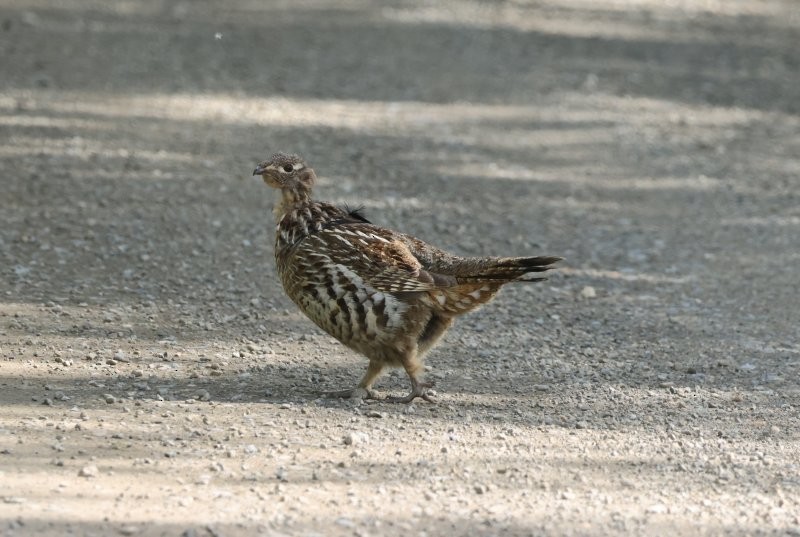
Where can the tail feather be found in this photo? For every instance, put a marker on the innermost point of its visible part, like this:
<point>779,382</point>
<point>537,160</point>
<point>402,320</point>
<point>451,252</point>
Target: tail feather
<point>529,280</point>
<point>477,280</point>
<point>511,269</point>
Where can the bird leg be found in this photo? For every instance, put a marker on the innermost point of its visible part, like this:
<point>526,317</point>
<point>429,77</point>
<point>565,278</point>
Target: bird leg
<point>364,389</point>
<point>413,366</point>
<point>418,389</point>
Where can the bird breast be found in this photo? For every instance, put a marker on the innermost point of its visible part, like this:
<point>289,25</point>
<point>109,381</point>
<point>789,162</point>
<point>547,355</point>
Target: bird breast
<point>337,299</point>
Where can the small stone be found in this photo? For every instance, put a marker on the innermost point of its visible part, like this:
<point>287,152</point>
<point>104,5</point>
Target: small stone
<point>480,489</point>
<point>108,398</point>
<point>89,471</point>
<point>355,438</point>
<point>725,475</point>
<point>657,509</point>
<point>345,522</point>
<point>203,395</point>
<point>129,530</point>
<point>29,18</point>
<point>588,292</point>
<point>280,474</point>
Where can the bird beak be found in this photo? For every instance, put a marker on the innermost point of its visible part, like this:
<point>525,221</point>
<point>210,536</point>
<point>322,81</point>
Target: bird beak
<point>259,170</point>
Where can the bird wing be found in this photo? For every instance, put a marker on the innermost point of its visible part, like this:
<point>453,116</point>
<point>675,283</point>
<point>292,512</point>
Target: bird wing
<point>374,254</point>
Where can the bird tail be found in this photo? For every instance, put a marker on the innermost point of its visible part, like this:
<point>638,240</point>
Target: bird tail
<point>477,280</point>
<point>510,269</point>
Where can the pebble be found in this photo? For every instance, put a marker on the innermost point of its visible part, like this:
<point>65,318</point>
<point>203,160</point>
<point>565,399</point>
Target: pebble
<point>345,522</point>
<point>63,361</point>
<point>108,398</point>
<point>355,438</point>
<point>29,18</point>
<point>89,471</point>
<point>588,292</point>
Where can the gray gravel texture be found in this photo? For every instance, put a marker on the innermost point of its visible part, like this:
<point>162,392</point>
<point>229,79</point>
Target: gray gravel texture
<point>154,380</point>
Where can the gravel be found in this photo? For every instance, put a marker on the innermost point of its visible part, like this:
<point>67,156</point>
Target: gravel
<point>649,387</point>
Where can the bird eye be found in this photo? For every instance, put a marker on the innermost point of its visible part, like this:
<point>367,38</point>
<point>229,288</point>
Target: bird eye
<point>288,168</point>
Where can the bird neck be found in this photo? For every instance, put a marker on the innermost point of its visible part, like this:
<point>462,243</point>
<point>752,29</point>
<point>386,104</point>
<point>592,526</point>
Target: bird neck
<point>290,199</point>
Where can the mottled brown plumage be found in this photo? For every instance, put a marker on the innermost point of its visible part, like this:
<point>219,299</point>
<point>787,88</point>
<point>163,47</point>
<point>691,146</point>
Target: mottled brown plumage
<point>382,293</point>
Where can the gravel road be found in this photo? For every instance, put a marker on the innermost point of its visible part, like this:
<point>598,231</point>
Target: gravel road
<point>155,381</point>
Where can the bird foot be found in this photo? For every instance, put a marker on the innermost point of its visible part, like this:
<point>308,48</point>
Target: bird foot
<point>419,389</point>
<point>354,393</point>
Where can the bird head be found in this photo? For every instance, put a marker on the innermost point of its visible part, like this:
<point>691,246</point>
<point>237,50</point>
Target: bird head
<point>287,172</point>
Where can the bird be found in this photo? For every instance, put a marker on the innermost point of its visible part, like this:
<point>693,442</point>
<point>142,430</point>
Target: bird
<point>387,295</point>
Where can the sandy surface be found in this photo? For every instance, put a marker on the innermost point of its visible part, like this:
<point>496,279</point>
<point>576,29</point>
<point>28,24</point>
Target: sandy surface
<point>154,380</point>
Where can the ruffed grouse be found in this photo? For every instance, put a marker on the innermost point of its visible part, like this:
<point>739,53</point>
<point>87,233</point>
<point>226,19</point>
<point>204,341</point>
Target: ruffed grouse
<point>382,293</point>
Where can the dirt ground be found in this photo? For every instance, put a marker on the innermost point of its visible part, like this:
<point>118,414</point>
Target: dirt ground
<point>154,380</point>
